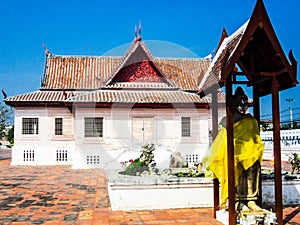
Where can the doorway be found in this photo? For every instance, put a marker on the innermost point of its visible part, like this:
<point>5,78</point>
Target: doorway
<point>143,131</point>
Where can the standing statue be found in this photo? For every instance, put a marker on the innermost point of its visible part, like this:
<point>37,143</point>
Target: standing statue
<point>248,152</point>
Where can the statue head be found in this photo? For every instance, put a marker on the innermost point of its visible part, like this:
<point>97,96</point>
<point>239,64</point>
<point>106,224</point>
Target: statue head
<point>240,101</point>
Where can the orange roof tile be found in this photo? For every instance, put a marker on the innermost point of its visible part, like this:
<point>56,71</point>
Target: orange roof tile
<point>134,96</point>
<point>102,79</point>
<point>41,96</point>
<point>93,72</point>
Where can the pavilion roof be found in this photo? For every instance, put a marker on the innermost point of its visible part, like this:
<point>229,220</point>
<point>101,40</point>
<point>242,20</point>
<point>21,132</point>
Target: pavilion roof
<point>254,49</point>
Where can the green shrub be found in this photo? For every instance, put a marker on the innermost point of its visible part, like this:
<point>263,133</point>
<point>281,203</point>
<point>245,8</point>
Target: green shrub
<point>294,160</point>
<point>136,167</point>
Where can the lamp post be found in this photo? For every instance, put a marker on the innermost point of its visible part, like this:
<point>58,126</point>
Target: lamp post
<point>289,100</point>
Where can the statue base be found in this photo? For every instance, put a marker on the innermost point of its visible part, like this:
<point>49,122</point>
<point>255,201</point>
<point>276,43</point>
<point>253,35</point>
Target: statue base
<point>250,217</point>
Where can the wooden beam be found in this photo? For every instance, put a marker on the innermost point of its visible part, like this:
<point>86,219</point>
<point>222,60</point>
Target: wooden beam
<point>223,36</point>
<point>230,150</point>
<point>277,150</point>
<point>70,108</point>
<point>239,73</point>
<point>203,92</point>
<point>224,66</point>
<point>214,109</point>
<point>270,74</point>
<point>245,72</point>
<point>242,82</point>
<point>293,67</point>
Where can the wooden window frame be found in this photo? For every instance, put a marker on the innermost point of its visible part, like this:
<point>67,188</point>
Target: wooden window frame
<point>58,126</point>
<point>93,127</point>
<point>30,126</point>
<point>186,127</point>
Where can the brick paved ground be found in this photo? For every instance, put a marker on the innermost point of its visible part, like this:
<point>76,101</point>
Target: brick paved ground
<point>60,195</point>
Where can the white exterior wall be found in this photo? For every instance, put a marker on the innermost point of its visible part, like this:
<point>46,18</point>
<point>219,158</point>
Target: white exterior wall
<point>289,142</point>
<point>41,148</point>
<point>119,130</point>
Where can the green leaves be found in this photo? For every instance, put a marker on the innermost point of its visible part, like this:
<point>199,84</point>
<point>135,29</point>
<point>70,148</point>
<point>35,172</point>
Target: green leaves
<point>136,167</point>
<point>294,160</point>
<point>6,120</point>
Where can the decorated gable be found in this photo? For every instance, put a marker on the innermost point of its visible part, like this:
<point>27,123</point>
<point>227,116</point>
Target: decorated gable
<point>143,71</point>
<point>138,66</point>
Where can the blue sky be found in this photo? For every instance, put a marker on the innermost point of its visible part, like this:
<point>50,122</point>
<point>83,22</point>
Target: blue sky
<point>96,27</point>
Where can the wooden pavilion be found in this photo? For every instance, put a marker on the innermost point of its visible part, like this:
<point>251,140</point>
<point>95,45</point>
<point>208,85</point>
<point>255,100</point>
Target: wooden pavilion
<point>255,53</point>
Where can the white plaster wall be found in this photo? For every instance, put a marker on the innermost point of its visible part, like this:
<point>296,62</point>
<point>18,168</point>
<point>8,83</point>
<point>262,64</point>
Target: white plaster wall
<point>45,143</point>
<point>116,144</point>
<point>43,155</point>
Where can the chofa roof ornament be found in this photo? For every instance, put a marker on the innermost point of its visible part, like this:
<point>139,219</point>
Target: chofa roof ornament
<point>137,32</point>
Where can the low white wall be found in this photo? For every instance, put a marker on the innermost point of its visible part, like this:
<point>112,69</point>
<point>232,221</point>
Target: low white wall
<point>138,193</point>
<point>160,196</point>
<point>290,192</point>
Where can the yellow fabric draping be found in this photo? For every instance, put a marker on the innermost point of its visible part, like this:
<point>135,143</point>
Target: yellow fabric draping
<point>248,148</point>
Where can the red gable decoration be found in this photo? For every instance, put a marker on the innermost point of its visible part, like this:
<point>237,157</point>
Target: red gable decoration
<point>143,71</point>
<point>139,66</point>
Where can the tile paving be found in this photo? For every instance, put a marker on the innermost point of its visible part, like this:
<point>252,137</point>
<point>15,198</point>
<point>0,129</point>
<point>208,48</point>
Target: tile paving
<point>61,195</point>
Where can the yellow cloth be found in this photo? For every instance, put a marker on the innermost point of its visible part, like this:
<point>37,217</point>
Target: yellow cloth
<point>248,148</point>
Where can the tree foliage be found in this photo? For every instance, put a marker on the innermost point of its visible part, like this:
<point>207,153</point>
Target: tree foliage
<point>10,135</point>
<point>294,160</point>
<point>6,119</point>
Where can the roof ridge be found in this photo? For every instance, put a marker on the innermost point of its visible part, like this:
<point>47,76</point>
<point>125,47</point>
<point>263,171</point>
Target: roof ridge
<point>82,56</point>
<point>120,57</point>
<point>222,47</point>
<point>181,58</point>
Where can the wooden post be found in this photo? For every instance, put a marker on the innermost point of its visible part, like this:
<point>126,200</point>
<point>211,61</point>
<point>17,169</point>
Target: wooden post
<point>256,114</point>
<point>256,105</point>
<point>230,150</point>
<point>277,150</point>
<point>214,108</point>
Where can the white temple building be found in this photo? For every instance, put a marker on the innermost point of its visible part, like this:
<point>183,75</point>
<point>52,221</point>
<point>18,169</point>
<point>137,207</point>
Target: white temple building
<point>95,111</point>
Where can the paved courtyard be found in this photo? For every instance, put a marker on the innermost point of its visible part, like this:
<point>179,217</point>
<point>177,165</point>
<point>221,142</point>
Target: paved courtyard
<point>60,195</point>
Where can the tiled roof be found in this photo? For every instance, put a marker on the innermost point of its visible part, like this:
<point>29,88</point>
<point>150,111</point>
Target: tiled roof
<point>213,74</point>
<point>92,72</point>
<point>108,96</point>
<point>185,73</point>
<point>112,96</point>
<point>78,72</point>
<point>69,79</point>
<point>42,96</point>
